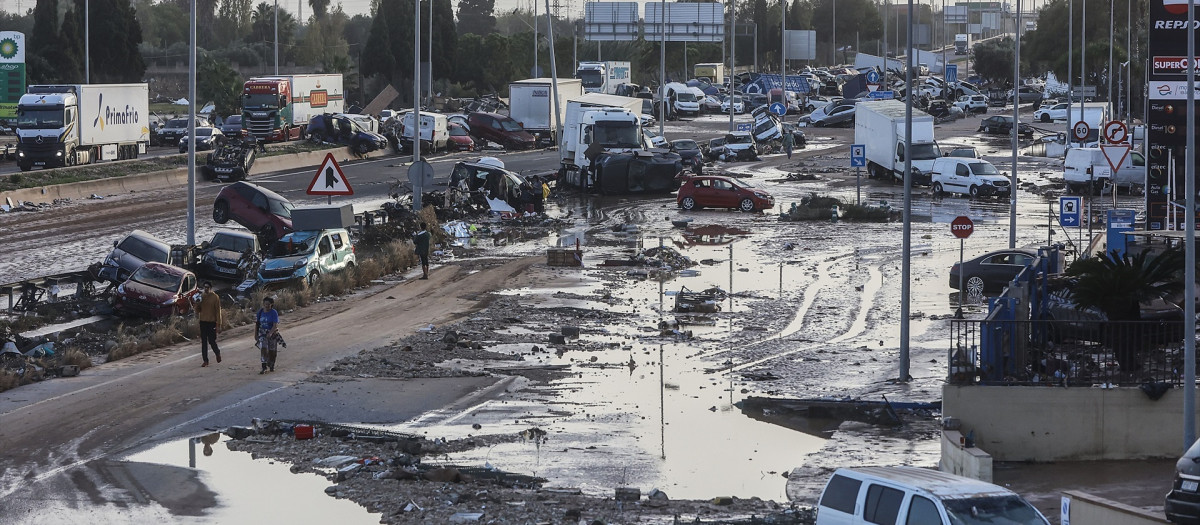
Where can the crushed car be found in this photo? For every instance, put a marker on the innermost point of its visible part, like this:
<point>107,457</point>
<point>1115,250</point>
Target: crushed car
<point>304,256</point>
<point>231,254</point>
<point>735,146</point>
<point>638,171</point>
<point>128,255</point>
<point>156,290</point>
<point>340,129</point>
<point>262,211</point>
<point>486,184</point>
<point>232,160</point>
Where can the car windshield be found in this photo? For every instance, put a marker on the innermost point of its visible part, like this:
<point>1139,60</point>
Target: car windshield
<point>233,120</point>
<point>925,151</point>
<point>235,243</point>
<point>294,244</point>
<point>157,277</point>
<point>260,101</point>
<point>458,131</point>
<point>40,118</point>
<point>616,134</point>
<point>204,132</point>
<point>686,97</point>
<point>510,125</point>
<point>995,510</point>
<point>738,139</point>
<point>686,144</point>
<point>737,100</point>
<point>177,123</point>
<point>983,168</point>
<point>281,208</point>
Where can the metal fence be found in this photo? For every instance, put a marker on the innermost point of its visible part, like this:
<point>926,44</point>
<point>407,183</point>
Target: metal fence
<point>1066,352</point>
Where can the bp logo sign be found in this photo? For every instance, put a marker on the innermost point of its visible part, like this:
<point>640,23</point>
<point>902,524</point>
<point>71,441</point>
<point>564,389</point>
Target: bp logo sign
<point>8,49</point>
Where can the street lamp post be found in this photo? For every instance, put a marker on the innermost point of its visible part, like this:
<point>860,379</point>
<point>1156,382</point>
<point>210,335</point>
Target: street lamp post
<point>662,70</point>
<point>87,39</point>
<point>1016,131</point>
<point>732,58</point>
<point>276,37</point>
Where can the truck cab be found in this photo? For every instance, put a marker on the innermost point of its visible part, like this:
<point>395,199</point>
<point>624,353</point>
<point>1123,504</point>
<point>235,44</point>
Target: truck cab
<point>265,109</point>
<point>46,136</point>
<point>600,130</point>
<point>962,42</point>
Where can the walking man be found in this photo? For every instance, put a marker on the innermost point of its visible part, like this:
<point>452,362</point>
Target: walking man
<point>788,142</point>
<point>208,312</point>
<point>421,242</point>
<point>266,329</point>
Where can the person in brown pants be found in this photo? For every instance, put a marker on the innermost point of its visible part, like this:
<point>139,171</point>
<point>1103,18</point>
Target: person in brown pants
<point>208,312</point>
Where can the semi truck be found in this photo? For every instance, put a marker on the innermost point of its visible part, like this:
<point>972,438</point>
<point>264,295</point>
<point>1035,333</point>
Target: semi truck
<point>596,123</point>
<point>65,125</point>
<point>879,126</point>
<point>530,103</point>
<point>713,71</point>
<point>279,108</point>
<point>962,43</point>
<point>603,77</point>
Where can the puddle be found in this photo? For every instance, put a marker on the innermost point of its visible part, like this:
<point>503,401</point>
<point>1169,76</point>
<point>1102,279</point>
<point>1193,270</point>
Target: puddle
<point>237,488</point>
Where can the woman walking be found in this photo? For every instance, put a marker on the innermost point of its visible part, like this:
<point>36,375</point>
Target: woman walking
<point>267,334</point>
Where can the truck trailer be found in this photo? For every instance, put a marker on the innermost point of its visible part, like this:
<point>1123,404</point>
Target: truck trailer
<point>603,77</point>
<point>65,125</point>
<point>713,71</point>
<point>879,126</point>
<point>279,108</point>
<point>530,103</point>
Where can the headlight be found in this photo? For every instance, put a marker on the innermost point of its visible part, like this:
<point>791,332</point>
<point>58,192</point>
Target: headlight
<point>762,195</point>
<point>58,154</point>
<point>20,153</point>
<point>301,263</point>
<point>121,289</point>
<point>170,301</point>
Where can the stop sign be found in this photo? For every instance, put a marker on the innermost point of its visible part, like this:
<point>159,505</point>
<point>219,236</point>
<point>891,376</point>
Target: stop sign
<point>962,226</point>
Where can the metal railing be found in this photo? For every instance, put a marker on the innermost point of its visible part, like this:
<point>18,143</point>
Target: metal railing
<point>1080,352</point>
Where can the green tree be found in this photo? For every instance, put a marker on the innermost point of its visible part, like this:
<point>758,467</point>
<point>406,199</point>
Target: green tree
<point>163,23</point>
<point>993,60</point>
<point>477,17</point>
<point>262,30</point>
<point>445,38</point>
<point>45,50</point>
<point>115,34</point>
<point>389,50</point>
<point>853,17</point>
<point>320,8</point>
<point>233,20</point>
<point>218,83</point>
<point>70,69</point>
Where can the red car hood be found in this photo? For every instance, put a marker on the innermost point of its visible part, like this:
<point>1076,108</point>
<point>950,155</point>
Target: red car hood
<point>144,292</point>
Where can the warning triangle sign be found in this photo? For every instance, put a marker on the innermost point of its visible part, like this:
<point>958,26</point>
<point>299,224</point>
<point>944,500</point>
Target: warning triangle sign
<point>1115,155</point>
<point>329,179</point>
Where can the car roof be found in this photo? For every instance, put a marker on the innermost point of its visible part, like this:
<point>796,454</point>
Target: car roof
<point>269,194</point>
<point>235,233</point>
<point>937,483</point>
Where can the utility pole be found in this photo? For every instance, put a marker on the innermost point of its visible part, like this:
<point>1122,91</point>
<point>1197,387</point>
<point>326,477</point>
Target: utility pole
<point>906,251</point>
<point>732,59</point>
<point>191,158</point>
<point>1016,131</point>
<point>553,75</point>
<point>276,37</point>
<point>87,38</point>
<point>662,69</point>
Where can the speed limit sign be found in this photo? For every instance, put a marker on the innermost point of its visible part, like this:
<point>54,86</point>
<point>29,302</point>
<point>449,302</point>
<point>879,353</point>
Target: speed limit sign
<point>1080,130</point>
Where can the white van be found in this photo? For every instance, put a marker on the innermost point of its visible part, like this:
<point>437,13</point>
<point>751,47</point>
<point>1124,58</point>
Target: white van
<point>1086,166</point>
<point>435,131</point>
<point>974,177</point>
<point>917,496</point>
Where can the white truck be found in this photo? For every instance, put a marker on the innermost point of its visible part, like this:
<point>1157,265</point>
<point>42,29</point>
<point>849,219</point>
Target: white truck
<point>530,103</point>
<point>713,71</point>
<point>595,123</point>
<point>933,60</point>
<point>682,99</point>
<point>962,43</point>
<point>65,125</point>
<point>879,126</point>
<point>603,77</point>
<point>279,108</point>
<point>863,60</point>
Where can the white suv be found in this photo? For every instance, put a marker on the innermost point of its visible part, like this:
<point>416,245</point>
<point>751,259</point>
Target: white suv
<point>973,104</point>
<point>1055,112</point>
<point>974,177</point>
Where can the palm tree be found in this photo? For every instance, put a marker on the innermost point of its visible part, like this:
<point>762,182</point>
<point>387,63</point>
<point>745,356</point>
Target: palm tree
<point>1117,285</point>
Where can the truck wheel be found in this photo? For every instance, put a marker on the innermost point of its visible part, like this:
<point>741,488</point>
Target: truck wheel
<point>25,166</point>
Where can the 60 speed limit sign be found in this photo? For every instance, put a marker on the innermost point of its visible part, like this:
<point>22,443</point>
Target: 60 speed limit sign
<point>1080,130</point>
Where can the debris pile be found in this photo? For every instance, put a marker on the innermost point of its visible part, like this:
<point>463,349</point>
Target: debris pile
<point>664,257</point>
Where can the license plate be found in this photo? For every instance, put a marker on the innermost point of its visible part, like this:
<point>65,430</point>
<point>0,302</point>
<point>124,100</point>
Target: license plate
<point>226,270</point>
<point>224,170</point>
<point>40,163</point>
<point>1190,486</point>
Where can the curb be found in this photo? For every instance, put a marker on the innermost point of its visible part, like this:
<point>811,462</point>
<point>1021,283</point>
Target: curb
<point>162,179</point>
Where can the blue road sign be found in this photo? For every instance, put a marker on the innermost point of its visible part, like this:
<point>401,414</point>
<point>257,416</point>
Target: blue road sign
<point>744,126</point>
<point>951,73</point>
<point>1068,211</point>
<point>872,77</point>
<point>882,94</point>
<point>858,155</point>
<point>778,108</point>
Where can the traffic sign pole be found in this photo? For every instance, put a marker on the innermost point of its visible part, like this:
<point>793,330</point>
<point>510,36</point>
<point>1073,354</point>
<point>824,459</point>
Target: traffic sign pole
<point>962,243</point>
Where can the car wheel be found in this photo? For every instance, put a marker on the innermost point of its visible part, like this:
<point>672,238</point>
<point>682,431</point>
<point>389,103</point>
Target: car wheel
<point>362,148</point>
<point>688,203</point>
<point>1045,117</point>
<point>221,212</point>
<point>974,192</point>
<point>746,205</point>
<point>313,279</point>
<point>316,136</point>
<point>974,286</point>
<point>937,188</point>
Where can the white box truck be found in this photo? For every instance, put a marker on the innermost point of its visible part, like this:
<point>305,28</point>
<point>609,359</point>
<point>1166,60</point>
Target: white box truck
<point>879,126</point>
<point>962,43</point>
<point>597,122</point>
<point>279,108</point>
<point>1094,113</point>
<point>530,103</point>
<point>713,71</point>
<point>603,77</point>
<point>64,125</point>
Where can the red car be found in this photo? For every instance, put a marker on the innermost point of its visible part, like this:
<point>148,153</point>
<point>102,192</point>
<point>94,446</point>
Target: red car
<point>500,129</point>
<point>711,191</point>
<point>156,290</point>
<point>460,138</point>
<point>260,210</point>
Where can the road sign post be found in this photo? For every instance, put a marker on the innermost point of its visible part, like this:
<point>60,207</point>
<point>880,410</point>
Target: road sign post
<point>778,108</point>
<point>962,227</point>
<point>1068,212</point>
<point>1115,132</point>
<point>858,159</point>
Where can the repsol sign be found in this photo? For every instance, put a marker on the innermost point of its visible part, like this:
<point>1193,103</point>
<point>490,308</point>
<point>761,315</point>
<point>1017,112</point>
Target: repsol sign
<point>1175,24</point>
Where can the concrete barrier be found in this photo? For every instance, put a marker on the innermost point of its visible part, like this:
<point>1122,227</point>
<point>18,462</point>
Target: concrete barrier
<point>167,178</point>
<point>960,460</point>
<point>1094,510</point>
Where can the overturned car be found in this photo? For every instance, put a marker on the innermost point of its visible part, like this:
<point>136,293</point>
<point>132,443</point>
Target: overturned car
<point>232,160</point>
<point>637,171</point>
<point>340,129</point>
<point>485,183</point>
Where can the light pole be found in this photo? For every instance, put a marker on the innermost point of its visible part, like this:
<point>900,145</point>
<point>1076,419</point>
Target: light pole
<point>1070,66</point>
<point>1109,74</point>
<point>87,39</point>
<point>277,37</point>
<point>553,71</point>
<point>833,29</point>
<point>906,263</point>
<point>191,157</point>
<point>732,59</point>
<point>662,69</point>
<point>1189,217</point>
<point>416,131</point>
<point>783,47</point>
<point>1016,131</point>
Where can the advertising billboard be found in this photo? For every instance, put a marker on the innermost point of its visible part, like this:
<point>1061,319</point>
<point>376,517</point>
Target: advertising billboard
<point>12,72</point>
<point>1167,123</point>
